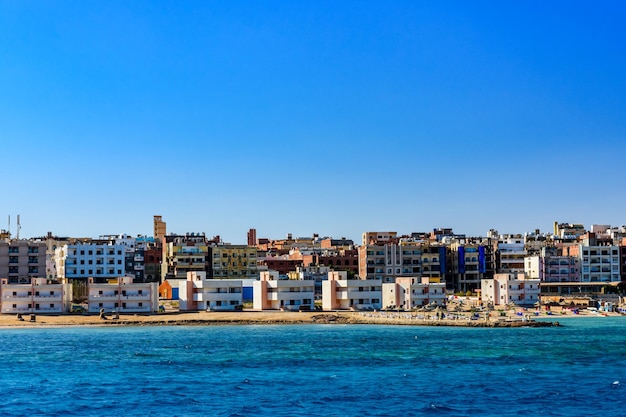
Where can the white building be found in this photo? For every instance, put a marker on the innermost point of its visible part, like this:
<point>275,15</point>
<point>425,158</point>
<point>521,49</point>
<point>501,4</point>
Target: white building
<point>510,288</point>
<point>341,293</point>
<point>599,263</point>
<point>123,296</point>
<point>84,260</point>
<point>271,293</point>
<point>199,293</point>
<point>36,297</point>
<point>511,254</point>
<point>409,293</point>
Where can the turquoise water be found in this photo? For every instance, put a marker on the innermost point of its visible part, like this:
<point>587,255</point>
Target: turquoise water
<point>325,370</point>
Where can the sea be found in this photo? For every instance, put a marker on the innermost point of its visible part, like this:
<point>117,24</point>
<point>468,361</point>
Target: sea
<point>576,369</point>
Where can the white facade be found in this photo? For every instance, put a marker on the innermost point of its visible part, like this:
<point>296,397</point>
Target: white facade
<point>271,293</point>
<point>511,251</point>
<point>36,297</point>
<point>199,293</point>
<point>599,263</point>
<point>123,296</point>
<point>340,293</point>
<point>410,293</point>
<point>90,260</point>
<point>506,289</point>
<point>532,267</point>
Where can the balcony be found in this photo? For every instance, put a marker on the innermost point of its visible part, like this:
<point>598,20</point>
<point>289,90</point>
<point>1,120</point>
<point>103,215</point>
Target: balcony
<point>17,296</point>
<point>47,298</point>
<point>103,297</point>
<point>138,258</point>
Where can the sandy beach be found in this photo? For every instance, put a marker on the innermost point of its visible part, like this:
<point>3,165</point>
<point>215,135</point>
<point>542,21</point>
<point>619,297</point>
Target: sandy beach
<point>510,319</point>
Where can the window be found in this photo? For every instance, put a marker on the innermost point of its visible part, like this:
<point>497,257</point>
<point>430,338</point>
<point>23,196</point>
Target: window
<point>140,304</point>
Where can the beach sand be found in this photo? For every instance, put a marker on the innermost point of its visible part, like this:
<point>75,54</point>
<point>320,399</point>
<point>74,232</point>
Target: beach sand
<point>511,319</point>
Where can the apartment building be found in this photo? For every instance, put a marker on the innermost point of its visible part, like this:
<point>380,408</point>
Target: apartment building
<point>406,258</point>
<point>22,259</point>
<point>38,297</point>
<point>412,293</point>
<point>100,261</point>
<point>233,261</point>
<point>341,293</point>
<point>272,293</point>
<point>510,254</point>
<point>510,288</point>
<point>199,293</point>
<point>122,295</point>
<point>182,254</point>
<point>468,265</point>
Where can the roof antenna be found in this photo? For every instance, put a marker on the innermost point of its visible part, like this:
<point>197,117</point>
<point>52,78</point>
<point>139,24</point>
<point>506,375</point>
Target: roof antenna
<point>18,227</point>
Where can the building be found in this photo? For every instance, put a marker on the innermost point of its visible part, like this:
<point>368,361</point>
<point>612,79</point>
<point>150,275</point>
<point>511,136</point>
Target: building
<point>599,263</point>
<point>252,237</point>
<point>122,295</point>
<point>160,229</point>
<point>510,288</point>
<point>468,265</point>
<point>198,293</point>
<point>183,254</point>
<point>378,238</point>
<point>405,258</point>
<point>316,273</point>
<point>152,258</point>
<point>510,254</point>
<point>341,293</point>
<point>271,293</point>
<point>22,259</point>
<point>37,297</point>
<point>233,261</point>
<point>282,264</point>
<point>412,293</point>
<point>100,261</point>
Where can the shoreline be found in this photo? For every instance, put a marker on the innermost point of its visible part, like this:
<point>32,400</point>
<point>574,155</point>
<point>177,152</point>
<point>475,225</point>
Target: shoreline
<point>279,318</point>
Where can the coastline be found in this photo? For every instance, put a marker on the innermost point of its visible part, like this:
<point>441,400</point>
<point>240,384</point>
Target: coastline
<point>279,317</point>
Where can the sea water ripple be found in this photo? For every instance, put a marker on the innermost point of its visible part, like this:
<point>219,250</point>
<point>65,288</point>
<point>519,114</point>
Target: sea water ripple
<point>330,370</point>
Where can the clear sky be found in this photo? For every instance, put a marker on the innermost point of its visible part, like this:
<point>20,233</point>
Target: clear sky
<point>302,117</point>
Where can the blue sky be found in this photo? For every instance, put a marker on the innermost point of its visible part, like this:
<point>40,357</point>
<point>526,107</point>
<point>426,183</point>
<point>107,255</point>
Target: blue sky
<point>311,116</point>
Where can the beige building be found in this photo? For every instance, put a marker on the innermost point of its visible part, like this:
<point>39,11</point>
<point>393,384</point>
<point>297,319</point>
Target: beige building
<point>121,295</point>
<point>510,288</point>
<point>233,261</point>
<point>411,293</point>
<point>271,293</point>
<point>38,297</point>
<point>23,259</point>
<point>341,293</point>
<point>198,293</point>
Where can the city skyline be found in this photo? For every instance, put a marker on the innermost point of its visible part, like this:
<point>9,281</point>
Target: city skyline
<point>302,118</point>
